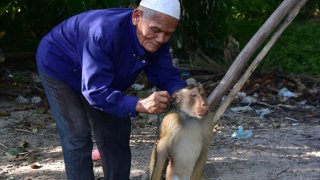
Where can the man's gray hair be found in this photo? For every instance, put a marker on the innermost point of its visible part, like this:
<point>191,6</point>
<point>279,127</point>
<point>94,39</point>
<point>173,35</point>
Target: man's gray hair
<point>147,13</point>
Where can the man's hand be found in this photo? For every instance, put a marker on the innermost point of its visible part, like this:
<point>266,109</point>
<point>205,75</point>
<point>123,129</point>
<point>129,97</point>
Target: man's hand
<point>157,102</point>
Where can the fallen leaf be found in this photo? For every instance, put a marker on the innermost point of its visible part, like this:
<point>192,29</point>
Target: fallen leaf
<point>4,113</point>
<point>35,130</point>
<point>23,144</point>
<point>14,151</point>
<point>36,166</point>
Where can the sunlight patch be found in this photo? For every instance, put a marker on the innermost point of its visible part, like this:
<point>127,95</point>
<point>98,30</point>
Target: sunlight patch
<point>314,153</point>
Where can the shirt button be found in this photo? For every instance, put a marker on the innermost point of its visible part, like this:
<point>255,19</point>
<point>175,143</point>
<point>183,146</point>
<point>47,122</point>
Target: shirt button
<point>129,114</point>
<point>75,70</point>
<point>134,55</point>
<point>143,61</point>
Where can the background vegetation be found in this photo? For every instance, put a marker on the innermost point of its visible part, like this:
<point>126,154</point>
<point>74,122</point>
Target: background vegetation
<point>211,33</point>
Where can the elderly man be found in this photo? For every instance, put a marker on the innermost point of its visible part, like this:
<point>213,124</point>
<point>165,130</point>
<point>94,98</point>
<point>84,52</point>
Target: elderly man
<point>85,65</point>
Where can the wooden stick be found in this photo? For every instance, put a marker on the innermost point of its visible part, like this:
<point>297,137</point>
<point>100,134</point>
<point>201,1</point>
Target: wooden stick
<point>3,145</point>
<point>261,35</point>
<point>23,130</point>
<point>283,171</point>
<point>257,60</point>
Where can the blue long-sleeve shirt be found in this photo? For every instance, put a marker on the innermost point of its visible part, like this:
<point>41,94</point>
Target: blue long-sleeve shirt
<point>98,54</point>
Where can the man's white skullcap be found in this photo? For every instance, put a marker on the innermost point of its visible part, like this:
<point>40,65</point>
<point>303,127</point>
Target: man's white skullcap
<point>169,7</point>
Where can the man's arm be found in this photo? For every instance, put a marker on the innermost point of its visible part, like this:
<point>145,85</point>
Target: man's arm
<point>97,78</point>
<point>162,73</point>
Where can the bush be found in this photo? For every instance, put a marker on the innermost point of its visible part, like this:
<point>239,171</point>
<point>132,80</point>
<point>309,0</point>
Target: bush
<point>297,50</point>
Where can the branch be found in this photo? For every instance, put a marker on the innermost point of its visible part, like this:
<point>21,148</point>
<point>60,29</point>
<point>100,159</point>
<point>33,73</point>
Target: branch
<point>236,68</point>
<point>257,60</point>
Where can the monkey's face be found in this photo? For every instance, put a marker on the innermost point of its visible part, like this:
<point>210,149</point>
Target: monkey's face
<point>193,102</point>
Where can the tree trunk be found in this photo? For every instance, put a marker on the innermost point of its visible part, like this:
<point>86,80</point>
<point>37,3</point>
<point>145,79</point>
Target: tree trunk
<point>236,68</point>
<point>257,60</point>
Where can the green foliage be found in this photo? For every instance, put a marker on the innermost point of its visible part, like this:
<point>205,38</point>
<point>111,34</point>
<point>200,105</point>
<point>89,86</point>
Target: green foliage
<point>297,50</point>
<point>207,25</point>
<point>4,8</point>
<point>24,22</point>
<point>207,36</point>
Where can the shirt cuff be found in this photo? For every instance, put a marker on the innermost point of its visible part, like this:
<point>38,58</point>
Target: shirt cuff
<point>130,105</point>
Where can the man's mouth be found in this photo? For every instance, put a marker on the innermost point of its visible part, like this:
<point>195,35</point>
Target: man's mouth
<point>154,44</point>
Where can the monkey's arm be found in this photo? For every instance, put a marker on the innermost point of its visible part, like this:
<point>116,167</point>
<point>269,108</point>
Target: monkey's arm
<point>153,161</point>
<point>158,160</point>
<point>207,136</point>
<point>199,166</point>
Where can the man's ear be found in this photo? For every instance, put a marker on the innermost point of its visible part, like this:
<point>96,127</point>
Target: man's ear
<point>136,16</point>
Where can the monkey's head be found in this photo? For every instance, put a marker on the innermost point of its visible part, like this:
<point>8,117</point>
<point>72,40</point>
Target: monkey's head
<point>192,100</point>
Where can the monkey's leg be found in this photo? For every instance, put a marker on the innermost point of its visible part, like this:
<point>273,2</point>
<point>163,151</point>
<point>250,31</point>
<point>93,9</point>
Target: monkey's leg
<point>159,159</point>
<point>199,166</point>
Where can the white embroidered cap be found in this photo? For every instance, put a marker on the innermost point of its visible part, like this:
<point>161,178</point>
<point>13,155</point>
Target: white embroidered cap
<point>168,7</point>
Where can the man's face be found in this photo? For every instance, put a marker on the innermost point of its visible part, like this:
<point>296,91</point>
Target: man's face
<point>154,32</point>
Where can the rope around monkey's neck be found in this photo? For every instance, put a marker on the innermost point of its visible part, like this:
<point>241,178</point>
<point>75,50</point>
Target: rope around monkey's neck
<point>158,128</point>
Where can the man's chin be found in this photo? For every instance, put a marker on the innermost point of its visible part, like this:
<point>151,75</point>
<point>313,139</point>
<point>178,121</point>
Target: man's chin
<point>151,49</point>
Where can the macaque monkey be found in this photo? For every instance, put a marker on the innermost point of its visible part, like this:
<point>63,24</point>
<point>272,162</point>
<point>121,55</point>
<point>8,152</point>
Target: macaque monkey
<point>184,138</point>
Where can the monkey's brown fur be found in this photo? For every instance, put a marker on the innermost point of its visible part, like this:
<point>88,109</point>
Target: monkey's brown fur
<point>184,138</point>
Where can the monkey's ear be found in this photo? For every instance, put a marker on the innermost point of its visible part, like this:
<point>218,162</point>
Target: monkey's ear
<point>176,97</point>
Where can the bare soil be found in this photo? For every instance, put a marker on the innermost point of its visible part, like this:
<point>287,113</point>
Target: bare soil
<point>285,144</point>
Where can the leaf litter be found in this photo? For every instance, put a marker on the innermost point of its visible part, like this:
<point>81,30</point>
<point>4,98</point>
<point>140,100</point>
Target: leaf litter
<point>284,144</point>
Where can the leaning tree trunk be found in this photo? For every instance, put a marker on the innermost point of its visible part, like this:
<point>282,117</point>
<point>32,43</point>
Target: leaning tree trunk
<point>291,7</point>
<point>257,60</point>
<point>236,68</point>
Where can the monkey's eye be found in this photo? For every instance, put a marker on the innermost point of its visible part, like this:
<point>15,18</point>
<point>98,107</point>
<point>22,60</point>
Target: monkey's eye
<point>193,95</point>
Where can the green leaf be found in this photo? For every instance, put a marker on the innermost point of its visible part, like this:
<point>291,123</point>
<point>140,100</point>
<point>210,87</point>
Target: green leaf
<point>3,9</point>
<point>14,151</point>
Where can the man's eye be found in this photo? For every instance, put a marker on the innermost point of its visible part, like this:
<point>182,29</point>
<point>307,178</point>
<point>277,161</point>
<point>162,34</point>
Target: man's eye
<point>155,30</point>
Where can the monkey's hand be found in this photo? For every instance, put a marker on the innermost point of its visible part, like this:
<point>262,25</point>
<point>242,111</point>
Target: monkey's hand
<point>157,102</point>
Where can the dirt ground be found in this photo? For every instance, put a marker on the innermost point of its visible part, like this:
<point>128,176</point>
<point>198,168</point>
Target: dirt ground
<point>285,144</point>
